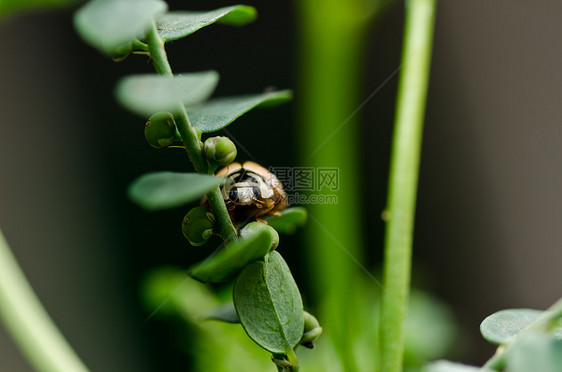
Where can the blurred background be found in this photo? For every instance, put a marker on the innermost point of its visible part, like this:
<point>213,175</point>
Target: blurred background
<point>488,227</point>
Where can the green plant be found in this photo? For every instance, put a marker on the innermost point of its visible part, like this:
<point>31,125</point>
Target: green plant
<point>333,44</point>
<point>267,301</point>
<point>527,340</point>
<point>411,327</point>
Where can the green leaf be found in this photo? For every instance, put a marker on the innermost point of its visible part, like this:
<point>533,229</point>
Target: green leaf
<point>161,190</point>
<point>535,352</point>
<point>218,113</point>
<point>500,327</point>
<point>446,366</point>
<point>289,220</point>
<point>175,25</point>
<point>225,313</point>
<point>269,304</point>
<point>227,262</point>
<point>112,24</point>
<point>150,93</point>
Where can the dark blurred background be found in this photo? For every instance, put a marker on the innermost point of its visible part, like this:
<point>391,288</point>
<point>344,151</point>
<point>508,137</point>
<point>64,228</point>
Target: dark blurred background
<point>488,230</point>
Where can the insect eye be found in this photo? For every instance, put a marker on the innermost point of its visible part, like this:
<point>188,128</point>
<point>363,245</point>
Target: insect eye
<point>256,192</point>
<point>233,194</point>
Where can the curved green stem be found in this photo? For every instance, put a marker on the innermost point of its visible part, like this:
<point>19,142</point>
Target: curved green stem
<point>404,169</point>
<point>27,321</point>
<point>157,51</point>
<point>190,138</point>
<point>227,231</point>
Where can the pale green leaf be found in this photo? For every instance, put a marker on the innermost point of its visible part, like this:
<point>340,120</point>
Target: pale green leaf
<point>220,112</point>
<point>178,24</point>
<point>269,304</point>
<point>161,190</point>
<point>112,24</point>
<point>150,93</point>
<point>500,327</point>
<point>227,262</point>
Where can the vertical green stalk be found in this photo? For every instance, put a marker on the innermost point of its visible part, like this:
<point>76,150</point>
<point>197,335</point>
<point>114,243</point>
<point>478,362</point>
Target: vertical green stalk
<point>331,50</point>
<point>190,138</point>
<point>157,51</point>
<point>27,321</point>
<point>404,169</point>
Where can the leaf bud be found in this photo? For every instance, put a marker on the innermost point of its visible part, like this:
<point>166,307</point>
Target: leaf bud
<point>160,130</point>
<point>254,227</point>
<point>220,150</point>
<point>197,225</point>
<point>311,332</point>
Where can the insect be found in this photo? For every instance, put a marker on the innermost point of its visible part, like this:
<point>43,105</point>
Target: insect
<point>253,191</point>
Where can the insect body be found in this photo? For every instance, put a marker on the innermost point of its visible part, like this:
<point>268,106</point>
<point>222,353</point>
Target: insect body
<point>252,192</point>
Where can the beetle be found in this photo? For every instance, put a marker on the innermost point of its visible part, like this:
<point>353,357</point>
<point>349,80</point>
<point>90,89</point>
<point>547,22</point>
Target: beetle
<point>252,192</point>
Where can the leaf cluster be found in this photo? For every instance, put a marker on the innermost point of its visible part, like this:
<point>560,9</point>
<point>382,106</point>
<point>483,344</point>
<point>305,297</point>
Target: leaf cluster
<point>527,339</point>
<point>266,298</point>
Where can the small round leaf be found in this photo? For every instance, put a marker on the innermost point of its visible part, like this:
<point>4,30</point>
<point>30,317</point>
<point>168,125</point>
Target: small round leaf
<point>150,93</point>
<point>500,327</point>
<point>111,24</point>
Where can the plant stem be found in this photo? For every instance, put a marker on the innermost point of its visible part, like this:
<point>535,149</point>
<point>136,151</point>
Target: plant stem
<point>226,230</point>
<point>498,361</point>
<point>27,321</point>
<point>404,169</point>
<point>157,51</point>
<point>190,138</point>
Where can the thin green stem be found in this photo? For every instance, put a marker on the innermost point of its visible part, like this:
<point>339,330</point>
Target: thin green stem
<point>157,51</point>
<point>27,321</point>
<point>190,138</point>
<point>226,230</point>
<point>404,169</point>
<point>543,323</point>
